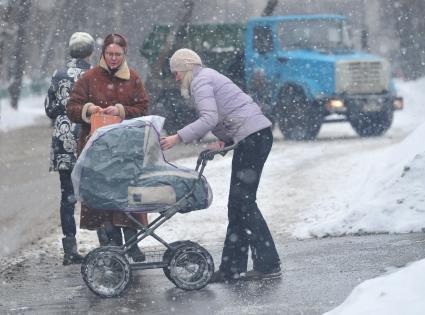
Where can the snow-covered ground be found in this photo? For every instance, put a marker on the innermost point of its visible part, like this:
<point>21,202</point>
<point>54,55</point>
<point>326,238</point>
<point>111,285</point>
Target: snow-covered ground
<point>400,292</point>
<point>30,110</point>
<point>383,190</point>
<point>314,189</point>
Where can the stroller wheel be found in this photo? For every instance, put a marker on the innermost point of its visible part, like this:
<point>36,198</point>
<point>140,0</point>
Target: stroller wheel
<point>190,267</point>
<point>169,253</point>
<point>106,271</point>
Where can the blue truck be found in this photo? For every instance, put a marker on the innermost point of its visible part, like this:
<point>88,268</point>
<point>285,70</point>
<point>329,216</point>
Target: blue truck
<point>302,70</point>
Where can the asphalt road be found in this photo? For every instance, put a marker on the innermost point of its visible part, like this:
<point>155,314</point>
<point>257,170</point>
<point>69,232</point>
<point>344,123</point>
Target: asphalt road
<point>29,194</point>
<point>318,273</point>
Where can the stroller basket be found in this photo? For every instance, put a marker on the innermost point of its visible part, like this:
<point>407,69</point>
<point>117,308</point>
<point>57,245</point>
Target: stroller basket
<point>154,259</point>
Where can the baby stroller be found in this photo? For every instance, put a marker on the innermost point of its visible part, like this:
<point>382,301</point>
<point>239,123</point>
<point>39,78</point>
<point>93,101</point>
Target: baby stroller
<point>122,168</point>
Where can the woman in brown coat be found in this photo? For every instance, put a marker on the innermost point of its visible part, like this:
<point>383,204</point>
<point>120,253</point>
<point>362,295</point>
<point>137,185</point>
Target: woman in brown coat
<point>113,88</point>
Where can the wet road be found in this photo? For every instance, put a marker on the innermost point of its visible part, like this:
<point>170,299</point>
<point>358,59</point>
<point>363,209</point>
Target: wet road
<point>27,190</point>
<point>318,275</point>
<point>29,194</point>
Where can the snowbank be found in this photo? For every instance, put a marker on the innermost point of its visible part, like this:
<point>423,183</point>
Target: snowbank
<point>400,292</point>
<point>384,191</point>
<point>386,195</point>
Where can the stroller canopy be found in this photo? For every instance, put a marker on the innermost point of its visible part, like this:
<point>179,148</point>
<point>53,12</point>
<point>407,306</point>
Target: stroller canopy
<point>122,168</point>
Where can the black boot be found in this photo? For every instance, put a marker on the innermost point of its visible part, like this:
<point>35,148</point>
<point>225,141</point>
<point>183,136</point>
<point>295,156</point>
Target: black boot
<point>71,255</point>
<point>109,235</point>
<point>134,252</point>
<point>102,236</point>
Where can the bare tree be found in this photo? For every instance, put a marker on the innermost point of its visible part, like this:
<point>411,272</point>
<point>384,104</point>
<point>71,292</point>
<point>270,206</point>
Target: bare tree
<point>6,34</point>
<point>56,23</point>
<point>67,18</point>
<point>118,14</point>
<point>175,37</point>
<point>270,6</point>
<point>19,53</point>
<point>411,28</point>
<point>172,42</point>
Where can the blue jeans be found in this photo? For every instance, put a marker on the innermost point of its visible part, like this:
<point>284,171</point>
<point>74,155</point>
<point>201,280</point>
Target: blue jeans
<point>247,227</point>
<point>67,205</point>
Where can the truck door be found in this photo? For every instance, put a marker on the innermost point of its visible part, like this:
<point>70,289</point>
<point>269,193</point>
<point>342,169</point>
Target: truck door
<point>261,68</point>
<point>262,57</point>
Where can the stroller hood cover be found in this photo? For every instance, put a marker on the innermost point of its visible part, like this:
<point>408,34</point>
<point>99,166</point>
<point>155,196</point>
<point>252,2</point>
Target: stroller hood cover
<point>122,168</point>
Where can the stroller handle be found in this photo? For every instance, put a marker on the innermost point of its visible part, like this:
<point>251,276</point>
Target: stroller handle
<point>208,155</point>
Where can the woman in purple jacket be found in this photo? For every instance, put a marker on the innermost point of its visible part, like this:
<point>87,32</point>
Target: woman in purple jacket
<point>233,117</point>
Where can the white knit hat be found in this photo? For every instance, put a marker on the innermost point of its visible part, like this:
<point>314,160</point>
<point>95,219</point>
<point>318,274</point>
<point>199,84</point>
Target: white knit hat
<point>81,45</point>
<point>183,59</point>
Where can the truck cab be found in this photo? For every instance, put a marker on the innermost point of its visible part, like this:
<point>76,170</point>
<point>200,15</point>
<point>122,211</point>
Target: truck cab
<point>305,72</point>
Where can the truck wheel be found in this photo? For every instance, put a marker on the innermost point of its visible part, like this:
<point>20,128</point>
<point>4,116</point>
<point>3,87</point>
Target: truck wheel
<point>298,118</point>
<point>372,124</point>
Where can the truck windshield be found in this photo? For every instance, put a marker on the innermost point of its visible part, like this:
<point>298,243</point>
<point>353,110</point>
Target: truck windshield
<point>317,34</point>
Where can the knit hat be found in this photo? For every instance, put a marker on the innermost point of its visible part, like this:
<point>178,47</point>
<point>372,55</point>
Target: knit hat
<point>183,59</point>
<point>81,45</point>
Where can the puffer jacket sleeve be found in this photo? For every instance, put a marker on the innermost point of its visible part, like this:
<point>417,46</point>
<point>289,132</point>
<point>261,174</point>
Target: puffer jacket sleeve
<point>79,97</point>
<point>203,94</point>
<point>140,98</point>
<point>52,106</point>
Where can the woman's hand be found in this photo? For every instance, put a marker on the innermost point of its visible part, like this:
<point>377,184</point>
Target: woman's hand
<point>169,142</point>
<point>218,145</point>
<point>110,110</point>
<point>93,109</point>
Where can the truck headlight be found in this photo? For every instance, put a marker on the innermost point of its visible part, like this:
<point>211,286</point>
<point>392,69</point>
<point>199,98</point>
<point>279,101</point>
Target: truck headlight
<point>398,103</point>
<point>335,106</point>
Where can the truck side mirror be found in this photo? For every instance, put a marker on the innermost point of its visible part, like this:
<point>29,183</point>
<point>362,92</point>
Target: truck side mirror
<point>351,37</point>
<point>364,40</point>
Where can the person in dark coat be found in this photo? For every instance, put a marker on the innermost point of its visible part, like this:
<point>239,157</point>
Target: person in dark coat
<point>65,135</point>
<point>112,88</point>
<point>233,117</point>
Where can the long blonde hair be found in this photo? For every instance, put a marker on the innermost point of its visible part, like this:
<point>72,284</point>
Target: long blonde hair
<point>185,84</point>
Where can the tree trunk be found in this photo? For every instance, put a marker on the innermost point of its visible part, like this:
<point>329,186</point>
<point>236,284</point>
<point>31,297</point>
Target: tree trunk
<point>173,41</point>
<point>48,51</point>
<point>270,6</point>
<point>19,54</point>
<point>5,35</point>
<point>118,15</point>
<point>174,38</point>
<point>411,27</point>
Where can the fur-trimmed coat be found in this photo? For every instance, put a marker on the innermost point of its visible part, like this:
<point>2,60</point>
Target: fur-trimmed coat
<point>123,89</point>
<point>100,87</point>
<point>65,133</point>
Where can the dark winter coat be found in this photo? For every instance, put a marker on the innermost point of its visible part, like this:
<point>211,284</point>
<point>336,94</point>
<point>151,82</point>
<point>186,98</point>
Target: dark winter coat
<point>98,86</point>
<point>65,133</point>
